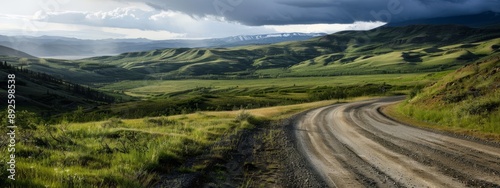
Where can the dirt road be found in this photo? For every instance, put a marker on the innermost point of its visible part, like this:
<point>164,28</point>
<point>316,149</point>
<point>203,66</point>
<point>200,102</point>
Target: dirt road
<point>354,145</point>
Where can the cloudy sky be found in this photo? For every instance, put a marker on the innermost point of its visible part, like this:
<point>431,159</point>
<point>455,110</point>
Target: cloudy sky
<point>171,19</point>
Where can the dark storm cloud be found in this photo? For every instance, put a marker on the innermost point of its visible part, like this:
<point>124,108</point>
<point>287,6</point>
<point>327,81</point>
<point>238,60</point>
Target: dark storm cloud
<point>281,12</point>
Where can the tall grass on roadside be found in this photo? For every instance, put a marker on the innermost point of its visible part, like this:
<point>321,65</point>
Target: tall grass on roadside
<point>111,153</point>
<point>474,114</point>
<point>467,100</point>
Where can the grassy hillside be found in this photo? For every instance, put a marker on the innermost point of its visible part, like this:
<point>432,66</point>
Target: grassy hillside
<point>409,49</point>
<point>6,51</point>
<point>466,101</point>
<point>46,94</point>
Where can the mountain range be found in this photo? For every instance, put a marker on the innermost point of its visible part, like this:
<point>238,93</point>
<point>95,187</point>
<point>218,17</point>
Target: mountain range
<point>72,48</point>
<point>407,49</point>
<point>410,48</point>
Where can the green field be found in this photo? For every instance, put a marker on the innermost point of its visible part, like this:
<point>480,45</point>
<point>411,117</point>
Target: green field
<point>152,87</point>
<point>170,97</point>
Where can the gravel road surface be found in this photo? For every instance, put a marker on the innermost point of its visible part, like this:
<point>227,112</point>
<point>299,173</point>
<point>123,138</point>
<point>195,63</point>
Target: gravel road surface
<point>355,145</point>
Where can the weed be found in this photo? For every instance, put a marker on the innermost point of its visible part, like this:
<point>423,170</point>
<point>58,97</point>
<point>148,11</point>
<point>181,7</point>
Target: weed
<point>242,116</point>
<point>112,123</point>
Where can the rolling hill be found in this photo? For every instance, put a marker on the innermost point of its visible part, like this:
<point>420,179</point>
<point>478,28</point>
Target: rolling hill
<point>72,48</point>
<point>48,95</point>
<point>408,49</point>
<point>6,51</point>
<point>466,100</point>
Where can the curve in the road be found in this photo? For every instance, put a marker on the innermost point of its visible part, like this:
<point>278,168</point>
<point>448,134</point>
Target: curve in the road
<point>355,145</point>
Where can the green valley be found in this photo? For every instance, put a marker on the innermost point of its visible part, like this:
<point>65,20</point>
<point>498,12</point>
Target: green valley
<point>194,117</point>
<point>410,49</point>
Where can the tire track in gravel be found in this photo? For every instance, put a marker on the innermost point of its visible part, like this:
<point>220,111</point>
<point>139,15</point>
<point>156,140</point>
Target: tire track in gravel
<point>354,145</point>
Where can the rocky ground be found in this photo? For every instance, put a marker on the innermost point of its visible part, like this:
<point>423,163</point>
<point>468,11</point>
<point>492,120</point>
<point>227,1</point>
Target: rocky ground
<point>265,156</point>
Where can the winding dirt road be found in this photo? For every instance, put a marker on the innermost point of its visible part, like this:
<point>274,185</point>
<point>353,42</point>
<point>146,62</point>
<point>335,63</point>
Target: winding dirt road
<point>354,145</point>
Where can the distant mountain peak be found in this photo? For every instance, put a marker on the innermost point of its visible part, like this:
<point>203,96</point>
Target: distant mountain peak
<point>284,34</point>
<point>270,36</point>
<point>63,47</point>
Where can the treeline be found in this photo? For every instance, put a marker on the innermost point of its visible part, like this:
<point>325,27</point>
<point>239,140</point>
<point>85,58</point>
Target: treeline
<point>46,79</point>
<point>328,93</point>
<point>222,100</point>
<point>137,109</point>
<point>246,76</point>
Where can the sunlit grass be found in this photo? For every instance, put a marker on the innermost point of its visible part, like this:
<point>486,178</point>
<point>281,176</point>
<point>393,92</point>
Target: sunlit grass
<point>131,152</point>
<point>140,88</point>
<point>115,152</point>
<point>465,101</point>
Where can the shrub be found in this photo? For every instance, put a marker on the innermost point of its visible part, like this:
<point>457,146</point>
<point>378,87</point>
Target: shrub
<point>454,98</point>
<point>242,116</point>
<point>481,107</point>
<point>112,123</point>
<point>257,121</point>
<point>414,92</point>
